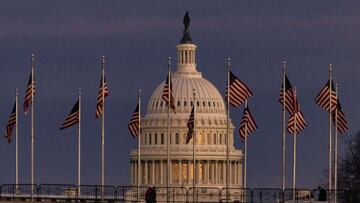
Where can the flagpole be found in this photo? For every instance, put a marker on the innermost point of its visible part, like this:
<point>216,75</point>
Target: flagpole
<point>245,159</point>
<point>336,146</point>
<point>283,132</point>
<point>168,132</point>
<point>330,136</point>
<point>194,143</point>
<point>138,157</point>
<point>17,140</point>
<point>32,123</point>
<point>294,152</point>
<point>79,146</point>
<point>102,126</point>
<point>228,131</point>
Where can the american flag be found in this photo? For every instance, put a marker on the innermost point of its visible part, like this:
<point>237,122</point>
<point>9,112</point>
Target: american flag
<point>165,94</point>
<point>10,125</point>
<point>134,122</point>
<point>72,118</point>
<point>341,123</point>
<point>191,126</point>
<point>289,96</point>
<point>297,116</point>
<point>247,123</point>
<point>102,89</point>
<point>326,96</point>
<point>30,92</point>
<point>239,92</point>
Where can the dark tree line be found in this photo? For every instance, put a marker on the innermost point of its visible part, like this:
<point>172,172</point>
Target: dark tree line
<point>349,171</point>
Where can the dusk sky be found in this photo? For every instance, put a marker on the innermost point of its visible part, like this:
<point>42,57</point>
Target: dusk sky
<point>137,37</point>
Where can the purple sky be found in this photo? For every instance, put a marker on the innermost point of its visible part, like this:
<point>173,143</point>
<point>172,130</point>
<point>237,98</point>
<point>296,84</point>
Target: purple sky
<point>137,37</point>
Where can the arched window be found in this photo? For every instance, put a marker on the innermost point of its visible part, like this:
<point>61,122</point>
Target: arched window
<point>177,138</point>
<point>162,138</point>
<point>214,139</point>
<point>155,139</point>
<point>144,139</point>
<point>221,139</point>
<point>150,139</point>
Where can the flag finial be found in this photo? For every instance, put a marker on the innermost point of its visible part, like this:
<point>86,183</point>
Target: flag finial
<point>33,57</point>
<point>169,63</point>
<point>79,91</point>
<point>284,65</point>
<point>103,59</point>
<point>139,92</point>
<point>228,63</point>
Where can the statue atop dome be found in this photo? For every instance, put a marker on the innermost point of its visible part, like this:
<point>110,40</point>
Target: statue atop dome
<point>186,33</point>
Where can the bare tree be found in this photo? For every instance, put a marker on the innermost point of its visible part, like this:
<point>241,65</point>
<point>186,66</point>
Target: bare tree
<point>349,171</point>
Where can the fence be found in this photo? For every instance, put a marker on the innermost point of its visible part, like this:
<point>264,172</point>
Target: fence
<point>122,194</point>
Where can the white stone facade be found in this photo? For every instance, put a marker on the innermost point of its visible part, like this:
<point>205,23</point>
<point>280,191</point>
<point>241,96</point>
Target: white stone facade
<point>210,122</point>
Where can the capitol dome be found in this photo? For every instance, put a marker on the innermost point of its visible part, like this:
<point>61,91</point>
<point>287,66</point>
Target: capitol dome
<point>211,129</point>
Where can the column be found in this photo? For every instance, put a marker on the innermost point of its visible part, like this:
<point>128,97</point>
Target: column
<point>180,172</point>
<point>189,55</point>
<point>153,162</point>
<point>212,172</point>
<point>198,172</point>
<point>207,165</point>
<point>224,172</point>
<point>216,181</point>
<point>193,56</point>
<point>231,173</point>
<point>146,172</point>
<point>236,172</point>
<point>161,171</point>
<point>241,173</point>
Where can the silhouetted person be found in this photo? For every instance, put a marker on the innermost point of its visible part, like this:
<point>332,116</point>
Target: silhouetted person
<point>322,194</point>
<point>150,195</point>
<point>153,194</point>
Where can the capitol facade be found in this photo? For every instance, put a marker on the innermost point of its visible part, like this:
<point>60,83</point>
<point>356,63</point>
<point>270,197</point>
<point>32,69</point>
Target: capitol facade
<point>211,128</point>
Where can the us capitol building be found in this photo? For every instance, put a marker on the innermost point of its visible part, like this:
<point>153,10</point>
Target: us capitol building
<point>210,122</point>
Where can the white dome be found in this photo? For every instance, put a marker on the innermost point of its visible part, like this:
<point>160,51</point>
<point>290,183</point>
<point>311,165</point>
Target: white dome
<point>208,98</point>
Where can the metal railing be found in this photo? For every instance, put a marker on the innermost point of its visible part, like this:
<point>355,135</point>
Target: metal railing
<point>96,193</point>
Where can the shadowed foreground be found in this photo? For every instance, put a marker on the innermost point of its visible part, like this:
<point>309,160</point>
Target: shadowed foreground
<point>95,193</point>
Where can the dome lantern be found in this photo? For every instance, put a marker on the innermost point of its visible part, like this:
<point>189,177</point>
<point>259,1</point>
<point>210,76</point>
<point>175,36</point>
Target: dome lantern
<point>186,50</point>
